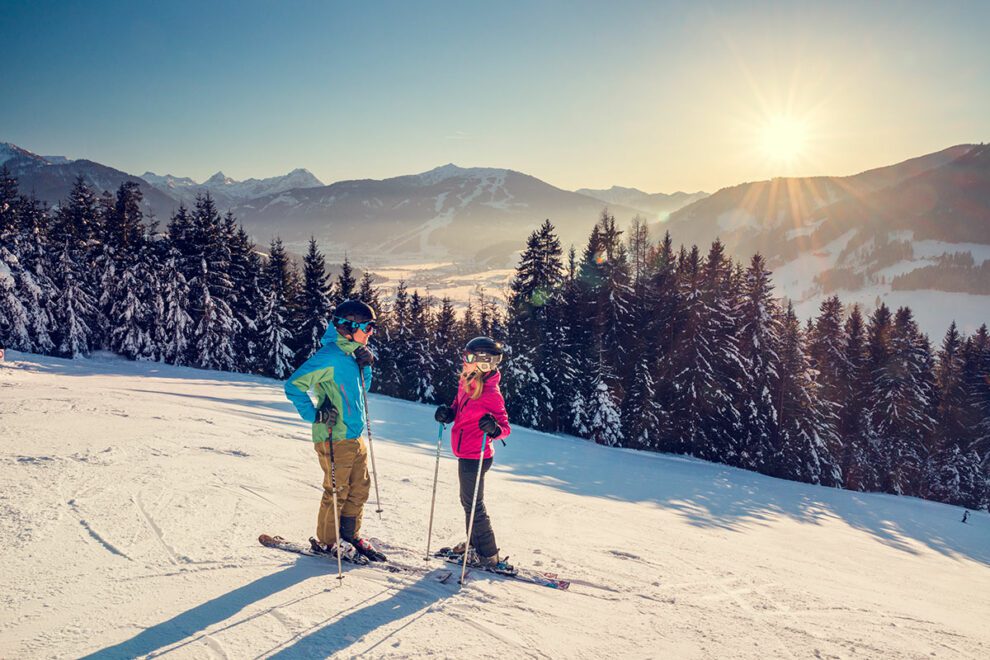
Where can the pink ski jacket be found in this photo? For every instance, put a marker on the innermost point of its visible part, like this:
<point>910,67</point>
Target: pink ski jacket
<point>465,436</point>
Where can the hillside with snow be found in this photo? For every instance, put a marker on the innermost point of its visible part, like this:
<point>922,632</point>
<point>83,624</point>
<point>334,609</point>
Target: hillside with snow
<point>475,215</point>
<point>915,233</point>
<point>132,495</point>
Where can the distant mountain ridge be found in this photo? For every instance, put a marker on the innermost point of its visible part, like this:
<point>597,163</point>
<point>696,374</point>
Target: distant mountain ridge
<point>449,211</point>
<point>658,204</point>
<point>227,191</point>
<point>50,179</point>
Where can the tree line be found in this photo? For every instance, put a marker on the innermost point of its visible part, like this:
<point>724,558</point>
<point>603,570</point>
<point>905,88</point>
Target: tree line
<point>631,343</point>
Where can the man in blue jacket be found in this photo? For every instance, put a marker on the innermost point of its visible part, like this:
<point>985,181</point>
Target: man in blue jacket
<point>333,374</point>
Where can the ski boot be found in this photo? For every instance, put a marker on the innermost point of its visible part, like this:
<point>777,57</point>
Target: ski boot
<point>347,551</point>
<point>367,549</point>
<point>493,564</point>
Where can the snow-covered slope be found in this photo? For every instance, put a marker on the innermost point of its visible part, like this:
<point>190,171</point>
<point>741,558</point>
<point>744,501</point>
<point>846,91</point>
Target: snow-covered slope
<point>131,495</point>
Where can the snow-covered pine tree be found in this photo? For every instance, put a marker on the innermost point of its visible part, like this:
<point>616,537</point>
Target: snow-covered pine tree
<point>34,283</point>
<point>468,327</point>
<point>130,335</point>
<point>314,304</point>
<point>446,353</point>
<point>902,405</point>
<point>806,421</point>
<point>421,365</point>
<point>722,308</point>
<point>274,322</point>
<point>760,346</point>
<point>573,388</point>
<point>855,431</point>
<point>531,368</point>
<point>246,274</point>
<point>692,379</point>
<point>604,415</point>
<point>74,305</point>
<point>15,320</point>
<point>175,331</point>
<point>211,290</point>
<point>662,326</point>
<point>345,282</point>
<point>826,355</point>
<point>953,473</point>
<point>395,354</point>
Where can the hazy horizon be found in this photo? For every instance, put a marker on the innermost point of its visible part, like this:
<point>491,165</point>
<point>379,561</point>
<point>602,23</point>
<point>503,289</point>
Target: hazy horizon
<point>660,97</point>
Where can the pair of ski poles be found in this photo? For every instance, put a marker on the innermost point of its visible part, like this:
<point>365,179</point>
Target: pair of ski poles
<point>333,475</point>
<point>474,500</point>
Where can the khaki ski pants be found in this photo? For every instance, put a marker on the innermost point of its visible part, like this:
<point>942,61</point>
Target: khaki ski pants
<point>350,459</point>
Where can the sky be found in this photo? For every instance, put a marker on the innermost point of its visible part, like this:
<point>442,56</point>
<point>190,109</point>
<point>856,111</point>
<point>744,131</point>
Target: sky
<point>658,96</point>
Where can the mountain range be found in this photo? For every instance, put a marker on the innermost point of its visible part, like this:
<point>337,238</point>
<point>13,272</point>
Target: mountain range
<point>886,234</point>
<point>480,215</point>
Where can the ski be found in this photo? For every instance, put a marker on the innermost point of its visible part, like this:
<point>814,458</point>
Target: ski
<point>522,574</point>
<point>280,543</point>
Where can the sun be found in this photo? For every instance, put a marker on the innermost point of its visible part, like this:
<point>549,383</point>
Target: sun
<point>784,139</point>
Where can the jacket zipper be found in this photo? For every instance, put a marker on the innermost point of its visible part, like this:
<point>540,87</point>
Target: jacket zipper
<point>459,438</point>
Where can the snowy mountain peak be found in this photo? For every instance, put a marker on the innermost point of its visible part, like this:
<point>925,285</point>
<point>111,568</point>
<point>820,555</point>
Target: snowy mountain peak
<point>219,179</point>
<point>169,181</point>
<point>9,151</point>
<point>451,171</point>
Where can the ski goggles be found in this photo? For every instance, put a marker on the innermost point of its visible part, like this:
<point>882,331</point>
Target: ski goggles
<point>485,361</point>
<point>365,326</point>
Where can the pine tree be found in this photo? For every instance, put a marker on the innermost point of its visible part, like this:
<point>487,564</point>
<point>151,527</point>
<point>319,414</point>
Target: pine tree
<point>534,296</point>
<point>721,317</point>
<point>446,353</point>
<point>211,290</point>
<point>129,334</point>
<point>345,282</point>
<point>421,364</point>
<point>274,329</point>
<point>35,286</point>
<point>954,474</point>
<point>176,329</point>
<point>74,306</point>
<point>826,355</point>
<point>760,346</point>
<point>314,303</point>
<point>604,417</point>
<point>806,421</point>
<point>573,389</point>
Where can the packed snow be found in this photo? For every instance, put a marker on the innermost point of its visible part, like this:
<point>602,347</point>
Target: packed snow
<point>132,495</point>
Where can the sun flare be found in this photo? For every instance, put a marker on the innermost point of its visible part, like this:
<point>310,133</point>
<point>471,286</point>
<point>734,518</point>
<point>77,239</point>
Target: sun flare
<point>784,139</point>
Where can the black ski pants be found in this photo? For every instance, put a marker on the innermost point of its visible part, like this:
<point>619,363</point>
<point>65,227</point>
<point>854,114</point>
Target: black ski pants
<point>482,535</point>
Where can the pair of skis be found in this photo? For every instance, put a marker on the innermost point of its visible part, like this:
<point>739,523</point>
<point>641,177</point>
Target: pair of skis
<point>550,580</point>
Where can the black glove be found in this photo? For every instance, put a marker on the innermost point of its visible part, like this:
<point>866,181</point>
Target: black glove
<point>364,356</point>
<point>326,413</point>
<point>489,425</point>
<point>444,414</point>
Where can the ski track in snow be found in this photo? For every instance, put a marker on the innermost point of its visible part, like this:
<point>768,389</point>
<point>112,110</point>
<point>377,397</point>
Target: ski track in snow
<point>155,498</point>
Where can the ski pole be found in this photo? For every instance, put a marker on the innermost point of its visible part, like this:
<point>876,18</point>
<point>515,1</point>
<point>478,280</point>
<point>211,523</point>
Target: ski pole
<point>474,505</point>
<point>336,518</point>
<point>371,446</point>
<point>433,502</point>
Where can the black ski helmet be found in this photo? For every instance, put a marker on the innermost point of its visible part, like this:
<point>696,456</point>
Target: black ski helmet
<point>351,314</point>
<point>484,346</point>
<point>484,352</point>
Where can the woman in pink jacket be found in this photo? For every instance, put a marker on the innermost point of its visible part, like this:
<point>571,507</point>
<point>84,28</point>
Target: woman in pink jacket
<point>479,417</point>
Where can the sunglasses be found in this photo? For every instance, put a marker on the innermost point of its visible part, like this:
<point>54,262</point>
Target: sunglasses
<point>365,326</point>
